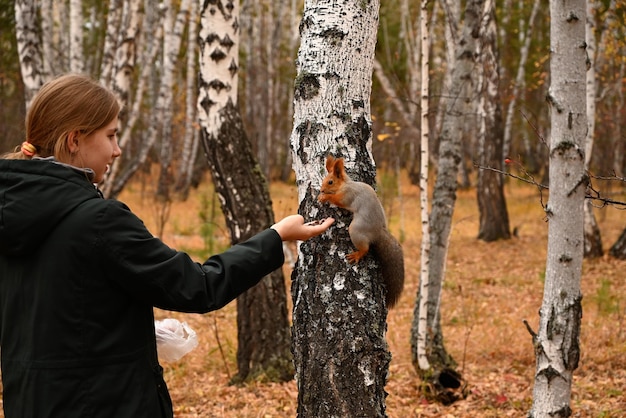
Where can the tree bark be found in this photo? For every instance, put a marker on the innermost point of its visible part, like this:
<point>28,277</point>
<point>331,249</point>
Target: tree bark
<point>442,381</point>
<point>29,47</point>
<point>263,350</point>
<point>618,250</point>
<point>593,238</point>
<point>77,58</point>
<point>339,313</point>
<point>420,357</point>
<point>557,348</point>
<point>493,214</point>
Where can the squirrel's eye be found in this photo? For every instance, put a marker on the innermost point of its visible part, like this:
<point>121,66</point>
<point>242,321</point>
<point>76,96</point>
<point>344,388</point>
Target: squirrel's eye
<point>330,182</point>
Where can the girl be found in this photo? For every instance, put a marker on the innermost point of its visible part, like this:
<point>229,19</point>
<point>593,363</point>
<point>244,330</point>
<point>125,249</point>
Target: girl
<point>80,275</point>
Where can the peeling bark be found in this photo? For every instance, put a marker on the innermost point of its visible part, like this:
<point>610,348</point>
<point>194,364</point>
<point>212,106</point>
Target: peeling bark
<point>494,218</point>
<point>557,349</point>
<point>339,314</point>
<point>263,349</point>
<point>455,103</point>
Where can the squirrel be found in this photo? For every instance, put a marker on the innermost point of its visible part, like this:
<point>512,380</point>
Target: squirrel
<point>368,227</point>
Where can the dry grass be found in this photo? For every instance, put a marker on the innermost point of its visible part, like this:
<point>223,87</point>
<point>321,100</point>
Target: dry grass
<point>489,289</point>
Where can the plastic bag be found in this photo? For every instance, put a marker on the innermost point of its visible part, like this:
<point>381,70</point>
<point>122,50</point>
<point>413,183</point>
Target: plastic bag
<point>174,339</point>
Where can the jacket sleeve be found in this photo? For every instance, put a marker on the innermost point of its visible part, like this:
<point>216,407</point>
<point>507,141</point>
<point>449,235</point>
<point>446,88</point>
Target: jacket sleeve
<point>153,272</point>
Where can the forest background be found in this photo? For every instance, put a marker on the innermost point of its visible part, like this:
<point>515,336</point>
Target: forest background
<point>269,41</point>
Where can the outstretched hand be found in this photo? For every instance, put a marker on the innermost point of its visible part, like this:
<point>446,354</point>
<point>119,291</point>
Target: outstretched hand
<point>293,228</point>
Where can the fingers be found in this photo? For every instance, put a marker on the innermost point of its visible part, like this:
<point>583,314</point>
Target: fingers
<point>293,228</point>
<point>318,226</point>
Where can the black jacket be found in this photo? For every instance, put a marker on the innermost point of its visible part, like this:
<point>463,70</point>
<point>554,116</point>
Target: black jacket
<point>79,277</point>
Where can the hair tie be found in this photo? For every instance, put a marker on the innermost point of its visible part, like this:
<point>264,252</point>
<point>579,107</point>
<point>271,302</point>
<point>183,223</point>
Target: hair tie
<point>28,149</point>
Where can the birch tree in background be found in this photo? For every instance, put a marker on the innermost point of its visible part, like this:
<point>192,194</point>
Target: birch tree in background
<point>77,57</point>
<point>593,238</point>
<point>172,38</point>
<point>29,47</point>
<point>493,215</point>
<point>556,344</point>
<point>339,313</point>
<point>137,147</point>
<point>192,135</point>
<point>442,380</point>
<point>263,349</point>
<point>420,315</point>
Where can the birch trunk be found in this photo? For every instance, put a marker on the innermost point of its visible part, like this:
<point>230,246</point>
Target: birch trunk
<point>125,167</point>
<point>191,139</point>
<point>493,215</point>
<point>593,238</point>
<point>29,47</point>
<point>77,58</point>
<point>47,30</point>
<point>443,382</point>
<point>263,350</point>
<point>172,38</point>
<point>557,348</point>
<point>340,353</point>
<point>113,28</point>
<point>421,316</point>
<point>126,56</point>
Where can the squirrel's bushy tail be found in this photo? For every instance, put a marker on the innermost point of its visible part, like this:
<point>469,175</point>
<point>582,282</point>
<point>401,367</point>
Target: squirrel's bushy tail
<point>389,254</point>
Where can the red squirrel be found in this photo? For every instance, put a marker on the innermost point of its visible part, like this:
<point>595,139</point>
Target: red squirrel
<point>368,227</point>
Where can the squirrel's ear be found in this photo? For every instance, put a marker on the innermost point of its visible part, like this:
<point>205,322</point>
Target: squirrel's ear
<point>330,162</point>
<point>338,168</point>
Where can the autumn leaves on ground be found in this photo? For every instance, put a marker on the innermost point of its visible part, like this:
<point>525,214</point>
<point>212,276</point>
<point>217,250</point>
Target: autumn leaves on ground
<point>490,288</point>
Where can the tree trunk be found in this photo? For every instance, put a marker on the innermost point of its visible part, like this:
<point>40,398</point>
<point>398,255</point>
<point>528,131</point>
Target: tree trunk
<point>340,352</point>
<point>420,357</point>
<point>442,382</point>
<point>28,47</point>
<point>191,139</point>
<point>263,350</point>
<point>618,250</point>
<point>77,58</point>
<point>593,238</point>
<point>557,349</point>
<point>172,38</point>
<point>494,218</point>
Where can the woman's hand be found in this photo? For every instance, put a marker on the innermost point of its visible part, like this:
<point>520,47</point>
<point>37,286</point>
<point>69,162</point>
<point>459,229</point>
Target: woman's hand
<point>293,228</point>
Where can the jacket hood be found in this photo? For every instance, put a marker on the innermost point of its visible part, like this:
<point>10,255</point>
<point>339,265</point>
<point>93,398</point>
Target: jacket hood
<point>35,195</point>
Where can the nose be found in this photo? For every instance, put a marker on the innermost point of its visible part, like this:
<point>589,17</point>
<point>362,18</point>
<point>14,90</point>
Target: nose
<point>117,151</point>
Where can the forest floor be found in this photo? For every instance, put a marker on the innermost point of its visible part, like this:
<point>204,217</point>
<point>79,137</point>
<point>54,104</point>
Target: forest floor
<point>489,289</point>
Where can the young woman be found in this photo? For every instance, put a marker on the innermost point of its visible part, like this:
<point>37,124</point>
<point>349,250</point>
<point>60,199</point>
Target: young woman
<point>80,275</point>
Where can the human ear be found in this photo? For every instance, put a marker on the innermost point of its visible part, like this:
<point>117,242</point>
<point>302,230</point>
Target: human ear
<point>72,142</point>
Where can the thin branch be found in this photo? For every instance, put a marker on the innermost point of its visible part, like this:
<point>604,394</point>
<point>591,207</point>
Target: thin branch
<point>591,193</point>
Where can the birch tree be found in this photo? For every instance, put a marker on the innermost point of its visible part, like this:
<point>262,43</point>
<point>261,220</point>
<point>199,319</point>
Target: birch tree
<point>263,349</point>
<point>593,238</point>
<point>557,349</point>
<point>172,39</point>
<point>421,311</point>
<point>77,57</point>
<point>340,353</point>
<point>29,47</point>
<point>442,381</point>
<point>192,136</point>
<point>493,215</point>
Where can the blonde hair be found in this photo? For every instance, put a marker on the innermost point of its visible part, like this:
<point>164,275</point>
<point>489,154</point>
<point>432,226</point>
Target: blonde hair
<point>69,103</point>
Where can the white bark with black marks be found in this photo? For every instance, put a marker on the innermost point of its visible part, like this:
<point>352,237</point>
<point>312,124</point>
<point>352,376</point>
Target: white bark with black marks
<point>557,348</point>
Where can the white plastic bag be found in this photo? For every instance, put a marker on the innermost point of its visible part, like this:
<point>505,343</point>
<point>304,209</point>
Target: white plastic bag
<point>174,339</point>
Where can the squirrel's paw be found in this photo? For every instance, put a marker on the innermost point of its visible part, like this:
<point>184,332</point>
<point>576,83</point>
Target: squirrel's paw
<point>354,257</point>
